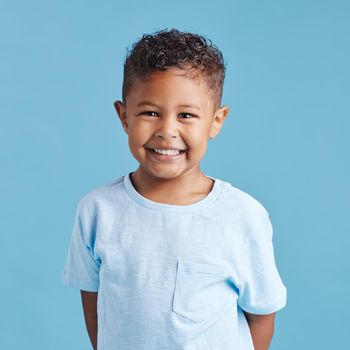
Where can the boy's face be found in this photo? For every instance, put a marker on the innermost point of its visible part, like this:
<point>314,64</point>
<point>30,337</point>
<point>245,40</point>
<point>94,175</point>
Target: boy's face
<point>169,111</point>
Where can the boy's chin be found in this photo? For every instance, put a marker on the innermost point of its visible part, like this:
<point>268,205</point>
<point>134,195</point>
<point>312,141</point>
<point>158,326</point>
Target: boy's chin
<point>164,174</point>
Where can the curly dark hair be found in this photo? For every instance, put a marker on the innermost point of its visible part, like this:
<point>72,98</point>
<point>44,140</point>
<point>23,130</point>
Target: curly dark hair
<point>167,48</point>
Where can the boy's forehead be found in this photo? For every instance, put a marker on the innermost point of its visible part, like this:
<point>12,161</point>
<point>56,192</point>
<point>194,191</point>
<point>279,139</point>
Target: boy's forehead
<point>173,84</point>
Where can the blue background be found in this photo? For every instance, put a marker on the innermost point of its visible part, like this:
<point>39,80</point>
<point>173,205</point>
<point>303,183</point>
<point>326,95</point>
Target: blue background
<point>286,142</point>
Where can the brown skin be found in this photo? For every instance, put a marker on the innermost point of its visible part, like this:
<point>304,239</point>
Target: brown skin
<point>166,124</point>
<point>261,328</point>
<point>89,301</point>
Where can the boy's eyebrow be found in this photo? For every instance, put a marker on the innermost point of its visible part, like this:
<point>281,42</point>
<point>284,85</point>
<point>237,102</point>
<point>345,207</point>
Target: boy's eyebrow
<point>153,104</point>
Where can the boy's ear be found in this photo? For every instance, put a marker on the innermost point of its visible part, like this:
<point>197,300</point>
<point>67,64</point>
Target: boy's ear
<point>218,121</point>
<point>121,111</point>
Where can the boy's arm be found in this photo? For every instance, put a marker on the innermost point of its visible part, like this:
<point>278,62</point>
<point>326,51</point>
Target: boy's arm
<point>261,329</point>
<point>89,301</point>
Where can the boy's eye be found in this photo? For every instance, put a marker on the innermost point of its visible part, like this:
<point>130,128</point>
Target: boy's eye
<point>187,114</point>
<point>149,112</point>
<point>153,114</point>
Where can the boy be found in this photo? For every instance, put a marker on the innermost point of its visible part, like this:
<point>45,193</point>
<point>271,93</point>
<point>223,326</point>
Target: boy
<point>167,257</point>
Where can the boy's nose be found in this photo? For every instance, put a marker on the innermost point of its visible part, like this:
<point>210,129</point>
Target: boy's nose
<point>167,128</point>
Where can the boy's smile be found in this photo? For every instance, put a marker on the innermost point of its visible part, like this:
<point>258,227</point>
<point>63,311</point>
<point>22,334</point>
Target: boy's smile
<point>169,119</point>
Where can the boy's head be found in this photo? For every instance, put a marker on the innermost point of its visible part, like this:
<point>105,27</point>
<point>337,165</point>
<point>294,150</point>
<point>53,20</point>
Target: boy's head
<point>192,53</point>
<point>168,75</point>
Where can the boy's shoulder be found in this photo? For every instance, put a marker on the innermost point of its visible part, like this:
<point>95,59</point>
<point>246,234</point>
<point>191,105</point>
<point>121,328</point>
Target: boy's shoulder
<point>242,210</point>
<point>239,201</point>
<point>101,195</point>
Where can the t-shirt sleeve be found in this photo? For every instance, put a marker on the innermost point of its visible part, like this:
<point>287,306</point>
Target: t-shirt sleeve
<point>81,268</point>
<point>261,289</point>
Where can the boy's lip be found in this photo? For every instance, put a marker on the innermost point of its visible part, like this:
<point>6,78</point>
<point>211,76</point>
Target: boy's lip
<point>167,148</point>
<point>165,157</point>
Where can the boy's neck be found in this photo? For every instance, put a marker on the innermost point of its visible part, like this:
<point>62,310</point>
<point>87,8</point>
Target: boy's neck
<point>184,190</point>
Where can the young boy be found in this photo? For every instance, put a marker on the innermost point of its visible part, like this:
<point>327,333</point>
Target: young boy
<point>165,256</point>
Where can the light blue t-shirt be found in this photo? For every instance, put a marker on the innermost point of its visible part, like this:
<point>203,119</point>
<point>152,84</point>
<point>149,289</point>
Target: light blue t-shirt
<point>174,277</point>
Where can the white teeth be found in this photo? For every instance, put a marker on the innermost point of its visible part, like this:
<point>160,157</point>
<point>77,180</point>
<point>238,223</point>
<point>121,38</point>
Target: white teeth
<point>171,152</point>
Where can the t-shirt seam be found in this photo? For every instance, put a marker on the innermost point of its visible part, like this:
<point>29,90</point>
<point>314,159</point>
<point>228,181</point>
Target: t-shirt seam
<point>170,211</point>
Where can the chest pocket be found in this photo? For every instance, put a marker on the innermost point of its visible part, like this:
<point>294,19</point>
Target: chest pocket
<point>201,291</point>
